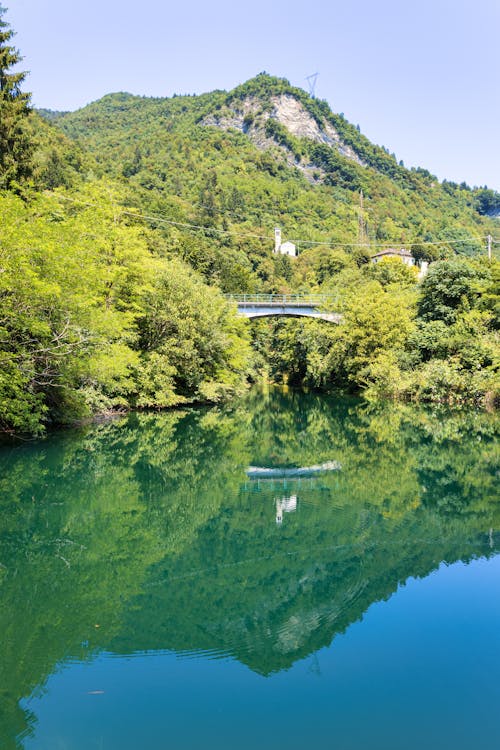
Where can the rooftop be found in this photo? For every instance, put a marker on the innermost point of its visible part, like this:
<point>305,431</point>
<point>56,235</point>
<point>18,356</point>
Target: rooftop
<point>402,252</point>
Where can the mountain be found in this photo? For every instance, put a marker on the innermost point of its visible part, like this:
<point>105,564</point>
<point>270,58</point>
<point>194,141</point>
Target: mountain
<point>237,164</point>
<point>125,221</point>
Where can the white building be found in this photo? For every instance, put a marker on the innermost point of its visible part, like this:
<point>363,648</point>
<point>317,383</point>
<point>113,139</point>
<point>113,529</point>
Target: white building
<point>283,248</point>
<point>288,248</point>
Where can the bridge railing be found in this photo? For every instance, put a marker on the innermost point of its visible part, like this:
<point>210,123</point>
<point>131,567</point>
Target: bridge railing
<point>309,300</point>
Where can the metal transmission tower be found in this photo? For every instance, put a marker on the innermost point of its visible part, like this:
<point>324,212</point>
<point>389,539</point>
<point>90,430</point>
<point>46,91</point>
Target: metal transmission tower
<point>311,80</point>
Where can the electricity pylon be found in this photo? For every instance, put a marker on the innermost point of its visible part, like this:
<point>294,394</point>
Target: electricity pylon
<point>311,80</point>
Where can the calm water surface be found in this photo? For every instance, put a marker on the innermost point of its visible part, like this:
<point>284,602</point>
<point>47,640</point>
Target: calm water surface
<point>292,572</point>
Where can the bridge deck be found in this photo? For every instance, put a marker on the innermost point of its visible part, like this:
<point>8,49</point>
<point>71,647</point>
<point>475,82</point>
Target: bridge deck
<point>280,300</point>
<point>291,305</point>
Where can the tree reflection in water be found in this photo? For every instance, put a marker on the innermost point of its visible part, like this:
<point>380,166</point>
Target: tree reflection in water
<point>146,533</point>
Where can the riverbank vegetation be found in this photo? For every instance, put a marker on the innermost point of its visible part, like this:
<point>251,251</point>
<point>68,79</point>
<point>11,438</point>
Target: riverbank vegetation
<point>94,319</point>
<point>432,341</point>
<point>124,224</point>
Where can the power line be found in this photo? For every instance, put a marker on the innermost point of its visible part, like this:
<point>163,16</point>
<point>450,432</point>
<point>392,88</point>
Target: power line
<point>160,219</point>
<point>237,213</point>
<point>321,242</point>
<point>267,238</point>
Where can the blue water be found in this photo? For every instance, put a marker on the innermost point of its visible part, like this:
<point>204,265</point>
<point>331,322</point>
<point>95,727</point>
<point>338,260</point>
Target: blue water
<point>154,596</point>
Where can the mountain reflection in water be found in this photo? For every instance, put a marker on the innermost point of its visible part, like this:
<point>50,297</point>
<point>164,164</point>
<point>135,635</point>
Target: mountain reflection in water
<point>150,534</point>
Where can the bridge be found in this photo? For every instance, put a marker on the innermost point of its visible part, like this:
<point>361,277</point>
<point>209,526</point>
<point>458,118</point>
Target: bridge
<point>291,305</point>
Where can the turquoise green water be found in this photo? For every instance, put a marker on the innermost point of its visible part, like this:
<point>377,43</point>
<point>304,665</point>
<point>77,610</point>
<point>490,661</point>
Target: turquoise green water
<point>292,572</point>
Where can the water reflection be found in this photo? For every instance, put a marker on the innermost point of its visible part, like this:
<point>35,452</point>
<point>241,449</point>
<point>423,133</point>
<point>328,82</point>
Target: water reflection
<point>164,531</point>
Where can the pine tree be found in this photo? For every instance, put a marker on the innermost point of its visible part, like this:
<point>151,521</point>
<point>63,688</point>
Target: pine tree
<point>15,145</point>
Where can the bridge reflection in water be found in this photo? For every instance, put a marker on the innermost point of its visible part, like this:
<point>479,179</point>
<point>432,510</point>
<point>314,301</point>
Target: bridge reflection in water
<point>264,472</point>
<point>285,476</point>
<point>286,305</point>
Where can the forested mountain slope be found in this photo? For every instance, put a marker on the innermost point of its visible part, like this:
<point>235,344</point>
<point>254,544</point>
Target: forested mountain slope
<point>212,175</point>
<point>267,154</point>
<point>124,222</point>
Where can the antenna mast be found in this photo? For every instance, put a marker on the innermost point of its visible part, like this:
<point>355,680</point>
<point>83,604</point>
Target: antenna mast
<point>311,80</point>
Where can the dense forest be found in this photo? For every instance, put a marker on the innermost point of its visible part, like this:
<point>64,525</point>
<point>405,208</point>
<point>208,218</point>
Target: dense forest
<point>126,222</point>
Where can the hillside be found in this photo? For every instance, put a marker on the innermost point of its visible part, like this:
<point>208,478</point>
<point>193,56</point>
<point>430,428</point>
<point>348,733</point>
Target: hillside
<point>265,154</point>
<point>125,222</point>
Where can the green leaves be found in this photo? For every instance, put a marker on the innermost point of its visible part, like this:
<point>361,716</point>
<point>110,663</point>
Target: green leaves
<point>448,288</point>
<point>196,160</point>
<point>195,331</point>
<point>15,146</point>
<point>91,319</point>
<point>104,301</point>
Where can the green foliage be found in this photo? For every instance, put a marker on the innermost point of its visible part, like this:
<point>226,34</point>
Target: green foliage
<point>390,271</point>
<point>190,327</point>
<point>83,305</point>
<point>487,201</point>
<point>340,172</point>
<point>490,298</point>
<point>15,145</point>
<point>448,288</point>
<point>99,310</point>
<point>429,253</point>
<point>316,267</point>
<point>187,162</point>
<point>376,322</point>
<point>461,241</point>
<point>282,135</point>
<point>56,160</point>
<point>385,347</point>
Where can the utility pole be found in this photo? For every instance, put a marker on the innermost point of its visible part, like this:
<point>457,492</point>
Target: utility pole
<point>361,221</point>
<point>489,247</point>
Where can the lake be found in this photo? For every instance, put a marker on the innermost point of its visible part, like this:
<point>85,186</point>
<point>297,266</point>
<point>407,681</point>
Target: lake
<point>291,571</point>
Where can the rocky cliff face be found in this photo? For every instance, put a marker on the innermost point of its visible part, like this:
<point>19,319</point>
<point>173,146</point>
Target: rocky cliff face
<point>292,114</point>
<point>250,116</point>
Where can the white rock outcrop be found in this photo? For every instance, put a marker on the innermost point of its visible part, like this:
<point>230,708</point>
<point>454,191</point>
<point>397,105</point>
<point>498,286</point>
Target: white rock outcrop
<point>250,117</point>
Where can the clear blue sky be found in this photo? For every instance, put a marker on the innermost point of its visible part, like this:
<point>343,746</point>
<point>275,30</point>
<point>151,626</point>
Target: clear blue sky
<point>420,77</point>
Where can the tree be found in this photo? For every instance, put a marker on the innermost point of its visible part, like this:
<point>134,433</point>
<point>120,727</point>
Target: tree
<point>487,201</point>
<point>427,252</point>
<point>393,271</point>
<point>376,322</point>
<point>15,146</point>
<point>448,288</point>
<point>193,345</point>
